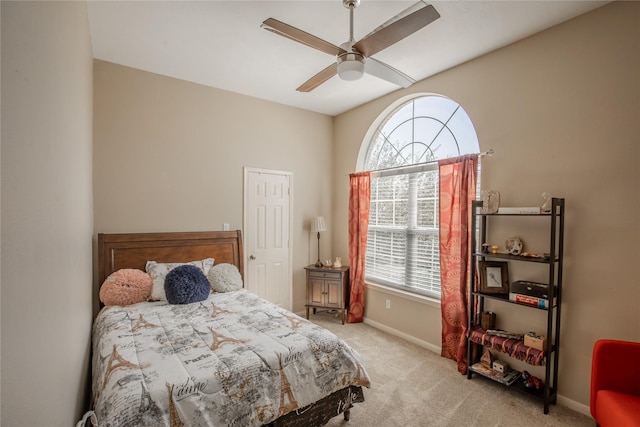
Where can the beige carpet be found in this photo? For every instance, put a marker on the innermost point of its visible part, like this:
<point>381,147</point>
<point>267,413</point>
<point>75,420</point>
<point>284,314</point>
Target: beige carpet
<point>412,386</point>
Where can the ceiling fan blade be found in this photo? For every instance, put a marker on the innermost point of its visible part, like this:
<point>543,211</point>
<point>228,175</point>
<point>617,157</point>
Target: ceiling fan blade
<point>319,78</point>
<point>397,28</point>
<point>300,36</point>
<point>387,72</point>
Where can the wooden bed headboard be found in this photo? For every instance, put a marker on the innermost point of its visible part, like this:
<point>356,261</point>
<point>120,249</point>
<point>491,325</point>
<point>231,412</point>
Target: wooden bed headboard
<point>133,250</point>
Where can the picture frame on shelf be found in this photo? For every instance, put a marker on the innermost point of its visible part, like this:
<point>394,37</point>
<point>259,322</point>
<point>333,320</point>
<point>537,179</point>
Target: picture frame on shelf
<point>494,277</point>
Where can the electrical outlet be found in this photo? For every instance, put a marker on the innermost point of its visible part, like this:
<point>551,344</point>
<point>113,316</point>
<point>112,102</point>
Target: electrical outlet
<point>388,304</point>
<point>225,227</point>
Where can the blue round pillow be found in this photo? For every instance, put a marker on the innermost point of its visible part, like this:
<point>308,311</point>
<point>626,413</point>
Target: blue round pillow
<point>186,284</point>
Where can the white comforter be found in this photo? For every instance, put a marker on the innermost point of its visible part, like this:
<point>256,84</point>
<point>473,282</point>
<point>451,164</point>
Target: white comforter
<point>232,360</point>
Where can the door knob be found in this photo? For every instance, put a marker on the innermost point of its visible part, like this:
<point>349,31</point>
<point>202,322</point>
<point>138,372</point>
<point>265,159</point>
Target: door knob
<point>251,257</point>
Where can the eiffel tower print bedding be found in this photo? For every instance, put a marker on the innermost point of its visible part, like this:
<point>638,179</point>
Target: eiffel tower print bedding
<point>233,359</point>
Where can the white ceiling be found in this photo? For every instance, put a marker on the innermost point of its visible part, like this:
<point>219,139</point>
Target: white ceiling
<point>221,44</point>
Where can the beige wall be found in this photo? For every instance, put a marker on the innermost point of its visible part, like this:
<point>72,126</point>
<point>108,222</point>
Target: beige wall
<point>0,231</point>
<point>561,111</point>
<point>169,156</point>
<point>46,212</point>
<point>559,108</point>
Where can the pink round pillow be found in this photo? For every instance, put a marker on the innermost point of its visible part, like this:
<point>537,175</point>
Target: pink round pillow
<point>125,287</point>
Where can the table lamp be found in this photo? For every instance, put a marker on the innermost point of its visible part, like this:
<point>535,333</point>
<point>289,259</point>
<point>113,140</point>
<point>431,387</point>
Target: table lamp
<point>318,225</point>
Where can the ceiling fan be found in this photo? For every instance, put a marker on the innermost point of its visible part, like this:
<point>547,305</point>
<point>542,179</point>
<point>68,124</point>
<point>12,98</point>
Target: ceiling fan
<point>353,58</point>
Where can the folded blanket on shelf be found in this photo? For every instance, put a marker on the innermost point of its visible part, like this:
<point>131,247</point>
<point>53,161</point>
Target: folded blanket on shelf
<point>512,347</point>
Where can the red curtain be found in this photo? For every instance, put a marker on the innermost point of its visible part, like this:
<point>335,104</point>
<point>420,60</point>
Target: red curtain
<point>457,191</point>
<point>359,197</point>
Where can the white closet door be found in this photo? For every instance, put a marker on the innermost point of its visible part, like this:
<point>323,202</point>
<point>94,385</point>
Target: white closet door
<point>267,229</point>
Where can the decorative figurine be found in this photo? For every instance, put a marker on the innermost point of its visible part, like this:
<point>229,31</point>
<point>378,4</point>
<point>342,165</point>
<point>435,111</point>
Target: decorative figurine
<point>338,262</point>
<point>546,206</point>
<point>490,201</point>
<point>514,245</point>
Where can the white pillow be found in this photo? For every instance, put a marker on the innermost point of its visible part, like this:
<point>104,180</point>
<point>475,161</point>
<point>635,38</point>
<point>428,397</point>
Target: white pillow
<point>225,278</point>
<point>158,272</point>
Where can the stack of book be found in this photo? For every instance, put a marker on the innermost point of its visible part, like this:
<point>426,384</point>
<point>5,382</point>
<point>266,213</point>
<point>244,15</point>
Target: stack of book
<point>506,378</point>
<point>531,293</point>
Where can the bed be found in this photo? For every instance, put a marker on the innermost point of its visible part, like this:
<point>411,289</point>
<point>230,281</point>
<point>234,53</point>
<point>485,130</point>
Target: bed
<point>232,359</point>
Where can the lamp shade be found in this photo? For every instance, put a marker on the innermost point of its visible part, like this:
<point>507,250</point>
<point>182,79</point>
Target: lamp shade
<point>318,224</point>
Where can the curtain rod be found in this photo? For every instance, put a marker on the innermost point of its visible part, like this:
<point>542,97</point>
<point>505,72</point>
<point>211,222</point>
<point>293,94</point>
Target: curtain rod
<point>419,167</point>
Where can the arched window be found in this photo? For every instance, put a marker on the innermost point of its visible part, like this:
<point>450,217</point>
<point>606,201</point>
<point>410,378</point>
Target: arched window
<point>402,154</point>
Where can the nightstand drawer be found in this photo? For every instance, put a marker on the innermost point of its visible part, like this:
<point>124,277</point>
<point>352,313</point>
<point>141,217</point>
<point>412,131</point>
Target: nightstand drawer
<point>325,275</point>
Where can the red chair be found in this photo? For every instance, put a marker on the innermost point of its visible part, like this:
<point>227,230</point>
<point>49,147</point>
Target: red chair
<point>615,383</point>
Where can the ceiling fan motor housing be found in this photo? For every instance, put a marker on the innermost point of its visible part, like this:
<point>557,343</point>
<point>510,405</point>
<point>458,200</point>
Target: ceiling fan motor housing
<point>350,66</point>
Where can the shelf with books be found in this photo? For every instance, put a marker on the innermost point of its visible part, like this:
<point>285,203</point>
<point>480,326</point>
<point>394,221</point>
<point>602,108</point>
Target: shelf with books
<point>506,378</point>
<point>515,382</point>
<point>520,299</point>
<point>494,285</point>
<point>531,301</point>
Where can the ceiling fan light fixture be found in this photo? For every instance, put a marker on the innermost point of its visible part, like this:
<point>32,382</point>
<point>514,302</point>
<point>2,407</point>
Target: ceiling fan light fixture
<point>350,66</point>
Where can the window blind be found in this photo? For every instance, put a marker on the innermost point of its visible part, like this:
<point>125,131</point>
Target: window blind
<point>402,242</point>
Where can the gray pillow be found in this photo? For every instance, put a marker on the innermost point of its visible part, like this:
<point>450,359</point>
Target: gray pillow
<point>224,278</point>
<point>159,270</point>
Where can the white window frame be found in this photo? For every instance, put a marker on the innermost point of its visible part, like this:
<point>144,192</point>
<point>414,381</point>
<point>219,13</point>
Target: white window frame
<point>425,287</point>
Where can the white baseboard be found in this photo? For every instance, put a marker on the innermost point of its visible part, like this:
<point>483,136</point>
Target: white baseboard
<point>571,404</point>
<point>576,406</point>
<point>404,336</point>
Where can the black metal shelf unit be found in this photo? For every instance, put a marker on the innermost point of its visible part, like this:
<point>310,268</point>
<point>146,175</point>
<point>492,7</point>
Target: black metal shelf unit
<point>553,261</point>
